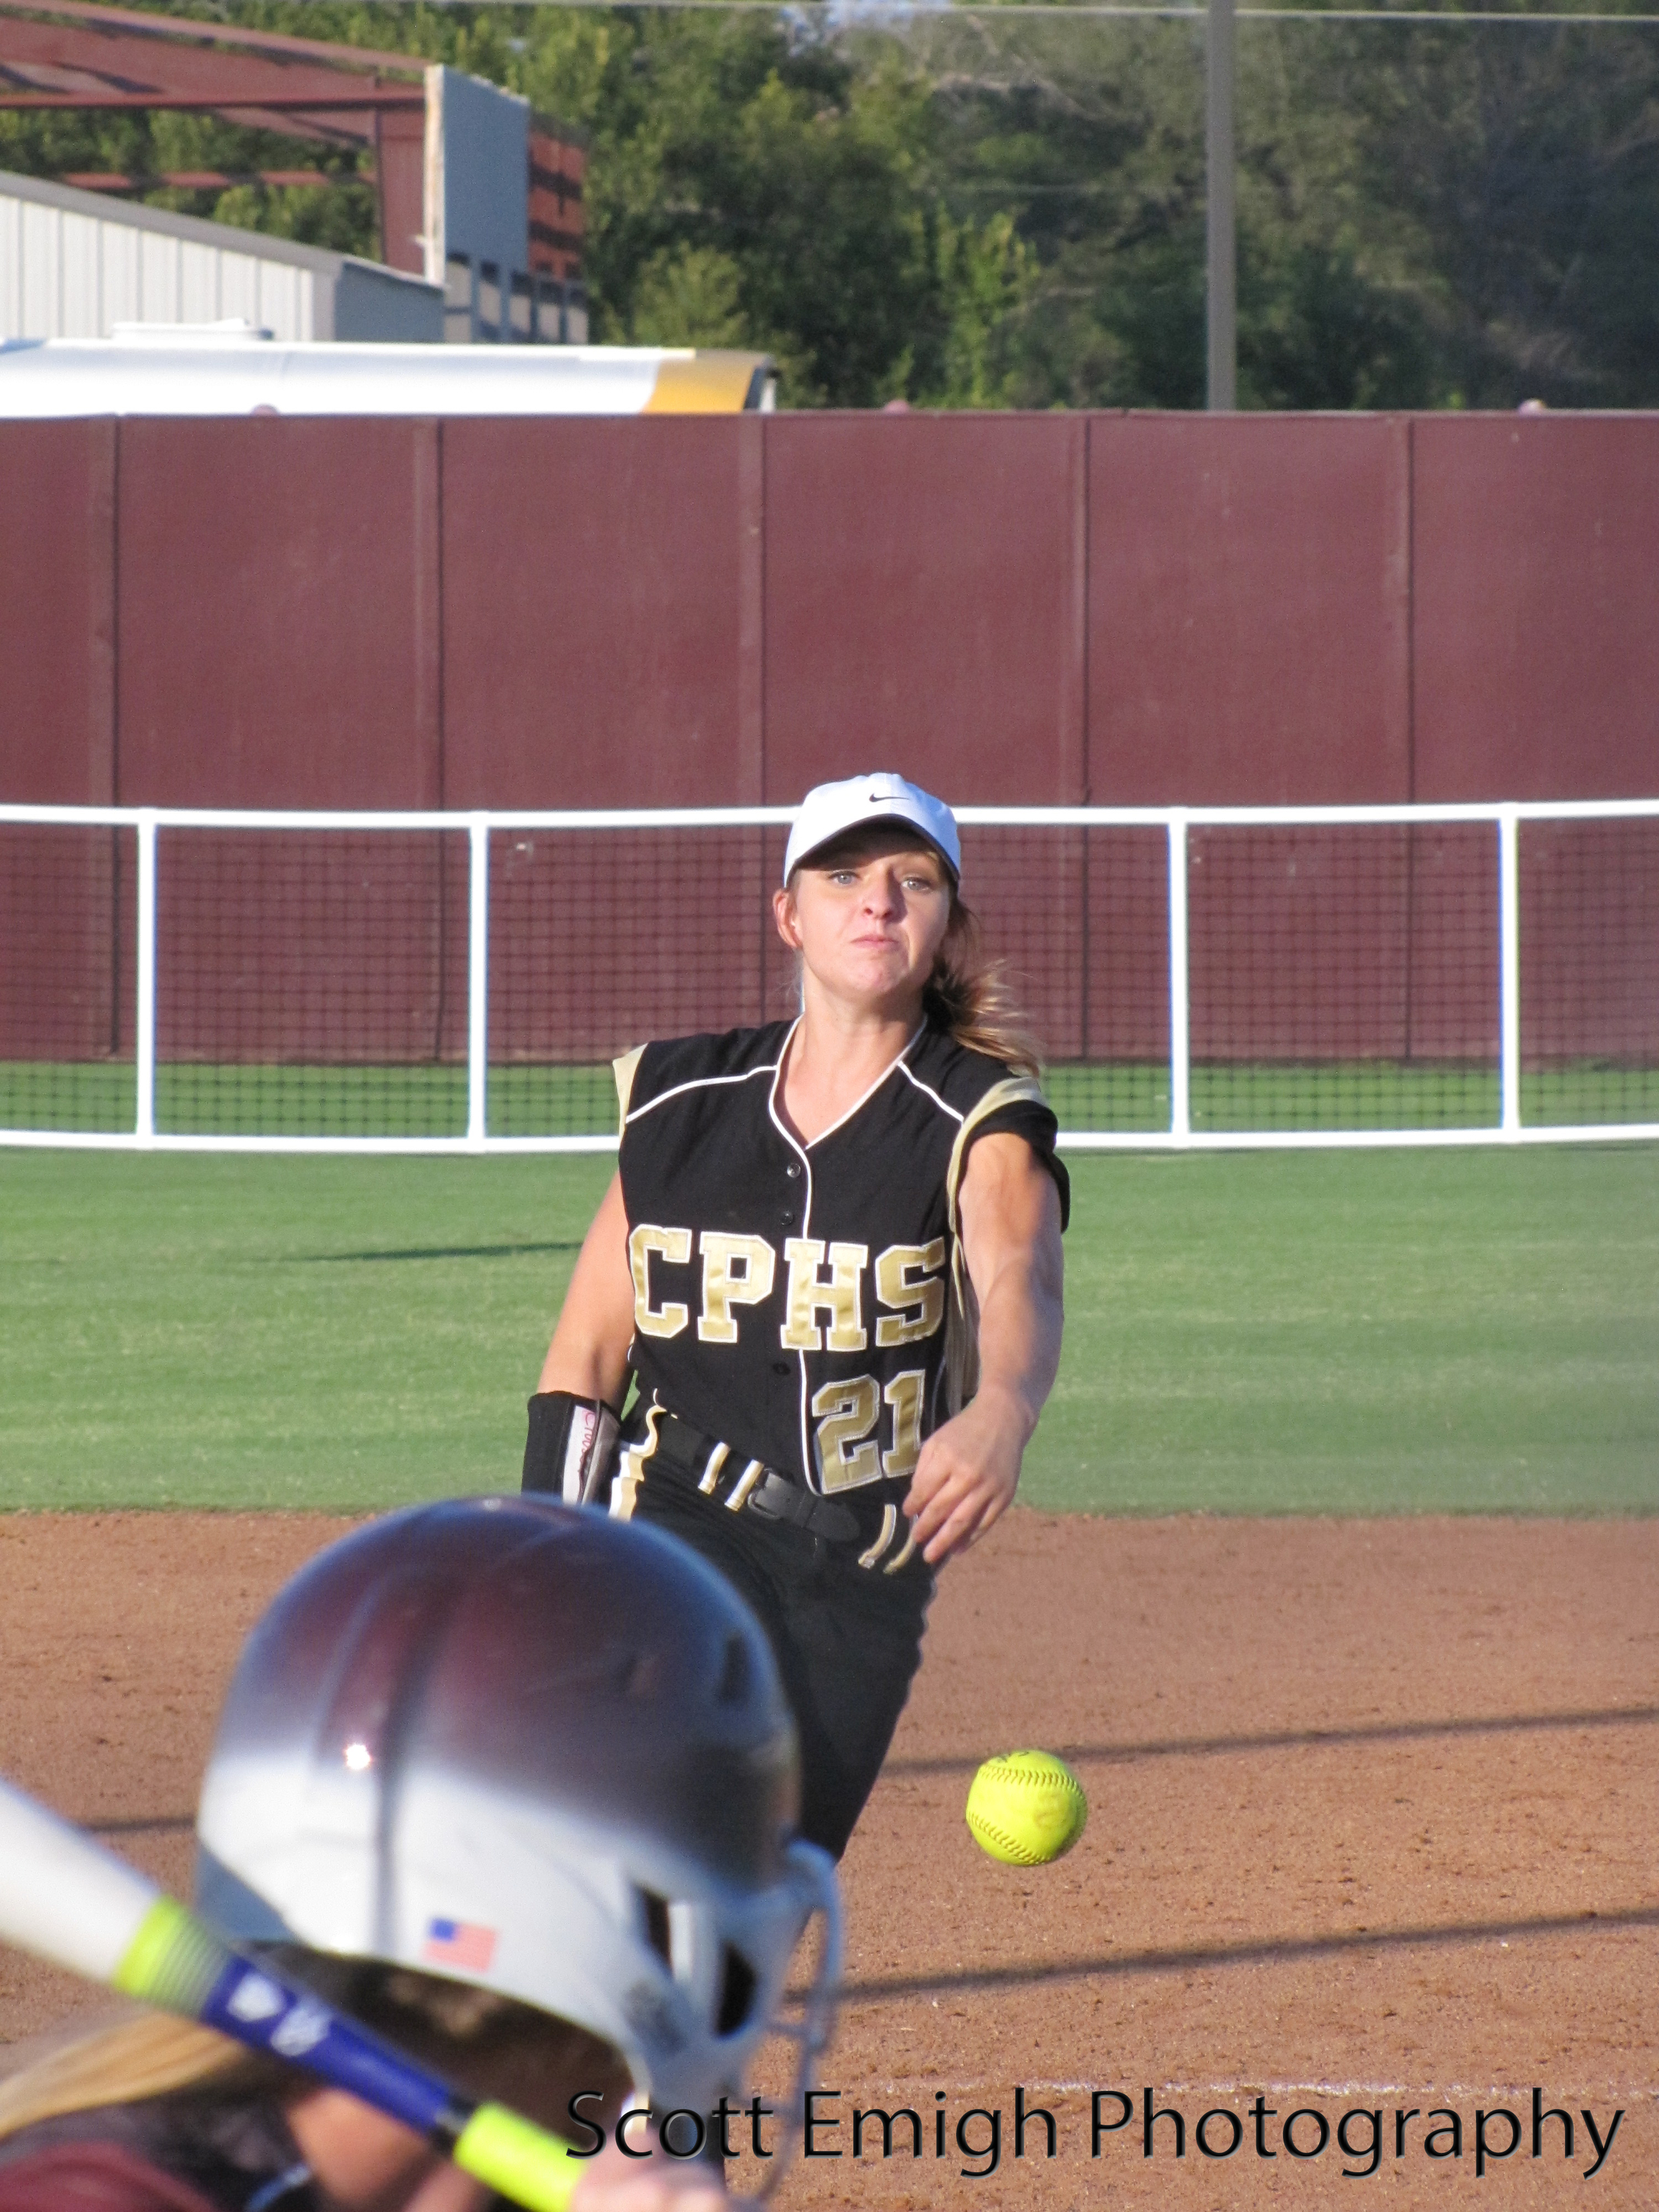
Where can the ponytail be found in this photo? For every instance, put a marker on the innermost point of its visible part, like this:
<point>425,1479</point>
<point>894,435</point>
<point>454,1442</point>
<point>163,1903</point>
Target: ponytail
<point>969,997</point>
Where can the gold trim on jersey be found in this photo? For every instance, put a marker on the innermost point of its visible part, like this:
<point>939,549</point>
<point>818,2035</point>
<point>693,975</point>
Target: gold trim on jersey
<point>625,1070</point>
<point>889,1522</point>
<point>962,1322</point>
<point>624,1490</point>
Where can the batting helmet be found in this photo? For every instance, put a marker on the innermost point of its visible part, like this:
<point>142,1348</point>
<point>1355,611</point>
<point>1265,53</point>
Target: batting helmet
<point>533,1749</point>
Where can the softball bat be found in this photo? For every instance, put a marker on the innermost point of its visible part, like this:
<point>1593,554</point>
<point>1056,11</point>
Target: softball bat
<point>72,1903</point>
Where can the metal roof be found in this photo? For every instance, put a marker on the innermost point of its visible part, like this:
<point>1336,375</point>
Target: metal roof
<point>193,228</point>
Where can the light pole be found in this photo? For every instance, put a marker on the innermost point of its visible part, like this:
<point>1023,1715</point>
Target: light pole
<point>1221,259</point>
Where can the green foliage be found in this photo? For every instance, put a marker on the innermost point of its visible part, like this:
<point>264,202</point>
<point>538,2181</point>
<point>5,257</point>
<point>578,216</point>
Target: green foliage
<point>1318,331</point>
<point>1529,169</point>
<point>1008,209</point>
<point>142,145</point>
<point>690,295</point>
<point>987,276</point>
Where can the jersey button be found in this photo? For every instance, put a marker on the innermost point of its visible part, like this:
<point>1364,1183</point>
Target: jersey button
<point>779,1366</point>
<point>793,1171</point>
<point>786,1218</point>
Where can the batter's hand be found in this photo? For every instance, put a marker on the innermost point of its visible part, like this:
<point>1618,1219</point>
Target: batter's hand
<point>616,2182</point>
<point>967,1474</point>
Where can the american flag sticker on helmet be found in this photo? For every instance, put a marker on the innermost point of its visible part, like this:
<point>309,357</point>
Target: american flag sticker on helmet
<point>459,1943</point>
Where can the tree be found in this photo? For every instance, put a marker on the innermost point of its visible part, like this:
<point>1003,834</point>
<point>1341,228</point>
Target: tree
<point>1007,209</point>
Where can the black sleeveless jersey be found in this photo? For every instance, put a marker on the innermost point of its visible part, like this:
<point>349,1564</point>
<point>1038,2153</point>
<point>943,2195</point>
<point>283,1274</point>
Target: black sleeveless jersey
<point>808,1304</point>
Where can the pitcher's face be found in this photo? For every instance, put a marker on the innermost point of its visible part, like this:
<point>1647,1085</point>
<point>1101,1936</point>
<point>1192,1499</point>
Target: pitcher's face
<point>868,913</point>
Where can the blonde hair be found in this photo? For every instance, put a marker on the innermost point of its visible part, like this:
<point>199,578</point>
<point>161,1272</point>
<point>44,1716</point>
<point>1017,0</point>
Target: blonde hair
<point>485,2045</point>
<point>151,2056</point>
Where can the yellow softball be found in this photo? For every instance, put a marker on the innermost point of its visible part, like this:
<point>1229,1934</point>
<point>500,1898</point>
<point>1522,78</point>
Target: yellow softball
<point>1026,1808</point>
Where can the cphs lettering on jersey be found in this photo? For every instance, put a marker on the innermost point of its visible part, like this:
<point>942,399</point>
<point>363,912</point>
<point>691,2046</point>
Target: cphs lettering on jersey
<point>819,1315</point>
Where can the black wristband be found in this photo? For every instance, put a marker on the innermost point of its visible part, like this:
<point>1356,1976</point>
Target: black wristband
<point>567,1446</point>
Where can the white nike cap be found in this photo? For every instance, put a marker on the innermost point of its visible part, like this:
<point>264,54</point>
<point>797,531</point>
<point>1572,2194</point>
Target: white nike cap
<point>829,810</point>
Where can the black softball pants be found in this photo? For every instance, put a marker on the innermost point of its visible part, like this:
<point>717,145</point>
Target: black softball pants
<point>848,1639</point>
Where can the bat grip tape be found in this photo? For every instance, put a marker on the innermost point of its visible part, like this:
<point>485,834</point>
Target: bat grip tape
<point>518,2160</point>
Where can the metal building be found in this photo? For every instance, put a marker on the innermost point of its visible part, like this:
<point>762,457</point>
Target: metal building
<point>74,264</point>
<point>473,191</point>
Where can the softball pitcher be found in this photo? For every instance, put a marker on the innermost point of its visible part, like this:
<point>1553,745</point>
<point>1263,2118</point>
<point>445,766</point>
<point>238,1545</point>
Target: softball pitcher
<point>831,1259</point>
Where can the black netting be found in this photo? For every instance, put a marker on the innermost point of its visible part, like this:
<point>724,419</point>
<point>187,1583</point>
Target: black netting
<point>1079,919</point>
<point>1590,971</point>
<point>311,982</point>
<point>315,982</point>
<point>1344,977</point>
<point>68,908</point>
<point>600,940</point>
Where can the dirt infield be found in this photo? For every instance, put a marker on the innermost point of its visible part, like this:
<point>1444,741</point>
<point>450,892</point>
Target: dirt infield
<point>1372,1829</point>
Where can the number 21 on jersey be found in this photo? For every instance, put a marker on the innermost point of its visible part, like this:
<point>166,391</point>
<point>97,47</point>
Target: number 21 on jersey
<point>848,1414</point>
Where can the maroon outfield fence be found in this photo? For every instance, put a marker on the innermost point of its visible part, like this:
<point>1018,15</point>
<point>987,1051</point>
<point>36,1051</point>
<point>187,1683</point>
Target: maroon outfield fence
<point>1125,610</point>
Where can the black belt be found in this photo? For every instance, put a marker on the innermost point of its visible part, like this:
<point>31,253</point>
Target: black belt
<point>748,1486</point>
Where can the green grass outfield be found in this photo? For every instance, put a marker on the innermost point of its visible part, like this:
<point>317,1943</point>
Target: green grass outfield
<point>1348,1333</point>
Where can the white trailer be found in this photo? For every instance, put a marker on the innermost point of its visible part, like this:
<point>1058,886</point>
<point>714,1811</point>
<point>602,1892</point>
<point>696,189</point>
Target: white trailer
<point>233,369</point>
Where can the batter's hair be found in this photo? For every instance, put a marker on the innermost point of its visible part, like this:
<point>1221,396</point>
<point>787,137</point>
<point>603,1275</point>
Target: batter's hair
<point>968,995</point>
<point>488,2045</point>
<point>152,2055</point>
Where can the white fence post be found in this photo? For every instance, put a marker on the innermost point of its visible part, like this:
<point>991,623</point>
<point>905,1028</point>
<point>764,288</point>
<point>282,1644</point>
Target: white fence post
<point>1509,968</point>
<point>1181,1119</point>
<point>144,1041</point>
<point>477,981</point>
